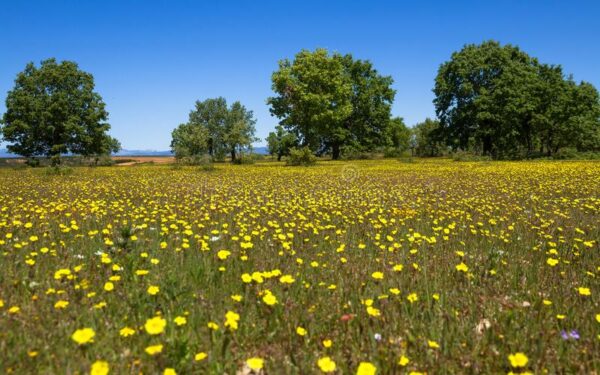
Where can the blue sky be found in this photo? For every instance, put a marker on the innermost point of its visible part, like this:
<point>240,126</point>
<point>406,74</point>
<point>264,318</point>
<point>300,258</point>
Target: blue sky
<point>153,59</point>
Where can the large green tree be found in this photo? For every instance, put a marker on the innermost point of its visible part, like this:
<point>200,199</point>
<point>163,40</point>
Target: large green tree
<point>330,101</point>
<point>211,114</point>
<point>53,109</point>
<point>499,101</point>
<point>372,96</point>
<point>215,128</point>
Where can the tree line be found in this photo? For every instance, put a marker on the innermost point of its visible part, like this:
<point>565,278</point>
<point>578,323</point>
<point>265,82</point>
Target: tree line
<point>490,99</point>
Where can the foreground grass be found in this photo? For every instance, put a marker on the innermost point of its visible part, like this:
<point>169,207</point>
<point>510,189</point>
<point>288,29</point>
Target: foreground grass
<point>433,266</point>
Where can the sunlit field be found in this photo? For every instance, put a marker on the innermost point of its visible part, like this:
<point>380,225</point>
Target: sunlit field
<point>429,266</point>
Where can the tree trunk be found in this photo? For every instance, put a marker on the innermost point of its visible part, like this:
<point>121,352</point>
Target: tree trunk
<point>232,155</point>
<point>279,157</point>
<point>335,152</point>
<point>487,146</point>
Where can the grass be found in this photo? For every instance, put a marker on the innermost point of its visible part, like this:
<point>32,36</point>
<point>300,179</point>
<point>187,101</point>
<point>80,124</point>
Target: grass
<point>453,266</point>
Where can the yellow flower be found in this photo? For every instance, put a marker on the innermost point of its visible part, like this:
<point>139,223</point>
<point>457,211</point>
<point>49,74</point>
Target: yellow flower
<point>62,304</point>
<point>327,343</point>
<point>403,361</point>
<point>83,336</point>
<point>155,325</point>
<point>169,371</point>
<point>246,278</point>
<point>231,320</point>
<point>64,272</point>
<point>286,279</point>
<point>518,360</point>
<point>126,331</point>
<point>584,291</point>
<point>598,318</point>
<point>109,286</point>
<point>180,320</point>
<point>377,275</point>
<point>269,299</point>
<point>412,297</point>
<point>153,290</point>
<point>461,267</point>
<point>99,368</point>
<point>326,364</point>
<point>552,262</point>
<point>433,344</point>
<point>373,311</point>
<point>366,368</point>
<point>200,356</point>
<point>154,349</point>
<point>223,254</point>
<point>255,363</point>
<point>301,331</point>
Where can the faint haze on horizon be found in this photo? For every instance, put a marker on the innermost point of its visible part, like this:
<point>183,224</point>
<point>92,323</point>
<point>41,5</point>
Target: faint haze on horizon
<point>152,60</point>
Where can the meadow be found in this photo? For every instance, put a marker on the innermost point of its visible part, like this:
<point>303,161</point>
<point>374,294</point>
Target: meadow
<point>356,267</point>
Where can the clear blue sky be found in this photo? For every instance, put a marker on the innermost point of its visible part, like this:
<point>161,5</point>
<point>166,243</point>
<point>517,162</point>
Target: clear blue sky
<point>153,59</point>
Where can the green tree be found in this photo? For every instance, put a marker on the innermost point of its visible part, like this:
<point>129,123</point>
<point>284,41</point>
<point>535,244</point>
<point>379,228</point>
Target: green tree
<point>238,133</point>
<point>463,87</point>
<point>189,140</point>
<point>314,98</point>
<point>567,115</point>
<point>211,114</point>
<point>369,124</point>
<point>280,142</point>
<point>499,101</point>
<point>330,101</point>
<point>53,109</point>
<point>398,135</point>
<point>215,128</point>
<point>427,138</point>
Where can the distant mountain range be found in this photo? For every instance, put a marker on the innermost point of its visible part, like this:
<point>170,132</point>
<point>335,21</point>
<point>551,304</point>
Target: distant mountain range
<point>258,150</point>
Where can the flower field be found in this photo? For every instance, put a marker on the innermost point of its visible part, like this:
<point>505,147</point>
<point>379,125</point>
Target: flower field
<point>346,267</point>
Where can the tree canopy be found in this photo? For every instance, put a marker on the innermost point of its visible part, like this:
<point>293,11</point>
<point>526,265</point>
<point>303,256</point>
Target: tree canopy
<point>332,101</point>
<point>216,129</point>
<point>52,110</point>
<point>499,101</point>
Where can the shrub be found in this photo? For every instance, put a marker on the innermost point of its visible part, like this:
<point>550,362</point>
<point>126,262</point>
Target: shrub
<point>245,159</point>
<point>352,153</point>
<point>195,160</point>
<point>102,161</point>
<point>466,156</point>
<point>58,170</point>
<point>209,167</point>
<point>392,152</point>
<point>566,153</point>
<point>301,156</point>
